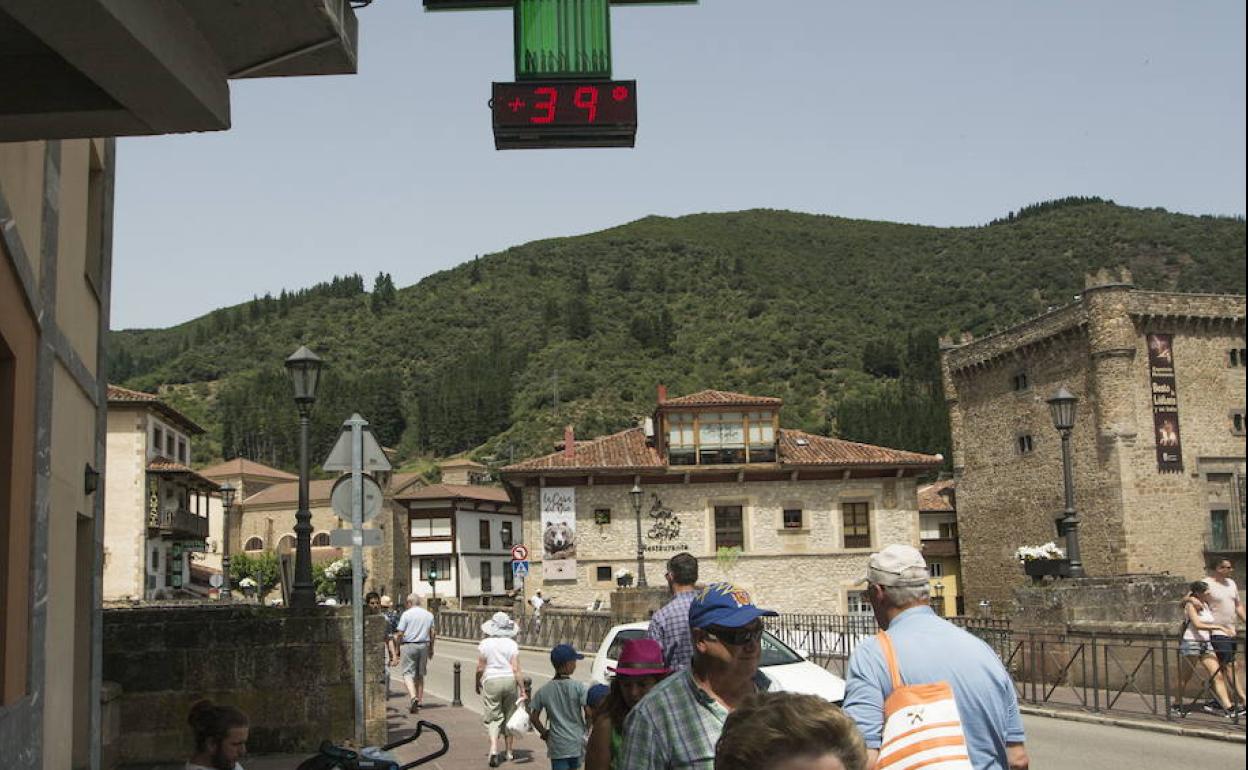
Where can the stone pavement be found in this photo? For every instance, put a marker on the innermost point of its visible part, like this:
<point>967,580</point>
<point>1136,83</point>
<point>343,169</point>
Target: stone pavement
<point>463,729</point>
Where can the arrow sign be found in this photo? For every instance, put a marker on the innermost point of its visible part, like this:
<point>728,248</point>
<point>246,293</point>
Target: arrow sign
<point>519,552</point>
<point>345,538</point>
<point>340,456</point>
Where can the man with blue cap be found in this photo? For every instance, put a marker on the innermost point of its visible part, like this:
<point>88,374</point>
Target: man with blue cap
<point>678,723</point>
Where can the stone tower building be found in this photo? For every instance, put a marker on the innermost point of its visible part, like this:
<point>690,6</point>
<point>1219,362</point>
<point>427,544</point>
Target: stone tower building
<point>1158,444</point>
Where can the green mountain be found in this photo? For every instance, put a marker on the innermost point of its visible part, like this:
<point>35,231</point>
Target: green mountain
<point>839,317</point>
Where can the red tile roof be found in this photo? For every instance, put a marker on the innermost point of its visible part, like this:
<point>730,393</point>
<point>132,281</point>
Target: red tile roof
<point>119,396</point>
<point>461,491</point>
<point>287,493</point>
<point>241,466</point>
<point>627,451</point>
<point>165,465</point>
<point>720,398</point>
<point>938,497</point>
<point>801,448</point>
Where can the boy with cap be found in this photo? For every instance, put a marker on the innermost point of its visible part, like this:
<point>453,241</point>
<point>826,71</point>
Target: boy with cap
<point>564,700</point>
<point>930,649</point>
<point>678,723</point>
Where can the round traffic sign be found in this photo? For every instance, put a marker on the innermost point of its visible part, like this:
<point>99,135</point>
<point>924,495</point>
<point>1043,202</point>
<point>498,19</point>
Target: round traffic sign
<point>215,580</point>
<point>520,552</point>
<point>340,497</point>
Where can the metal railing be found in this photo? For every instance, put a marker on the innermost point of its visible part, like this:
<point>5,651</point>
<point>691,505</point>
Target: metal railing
<point>582,629</point>
<point>180,522</point>
<point>1124,674</point>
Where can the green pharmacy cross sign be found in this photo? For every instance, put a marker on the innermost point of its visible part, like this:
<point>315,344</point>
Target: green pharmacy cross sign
<point>564,96</point>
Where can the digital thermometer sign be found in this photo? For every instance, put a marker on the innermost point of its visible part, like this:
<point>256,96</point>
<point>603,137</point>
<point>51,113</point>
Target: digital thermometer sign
<point>565,113</point>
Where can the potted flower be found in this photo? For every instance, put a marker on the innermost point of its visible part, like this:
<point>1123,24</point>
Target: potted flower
<point>339,571</point>
<point>623,578</point>
<point>248,585</point>
<point>1041,561</point>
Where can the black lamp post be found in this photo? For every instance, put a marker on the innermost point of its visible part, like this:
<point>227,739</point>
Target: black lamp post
<point>634,495</point>
<point>227,502</point>
<point>304,368</point>
<point>1062,408</point>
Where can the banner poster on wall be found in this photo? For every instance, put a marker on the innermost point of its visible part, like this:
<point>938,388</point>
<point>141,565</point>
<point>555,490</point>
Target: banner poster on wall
<point>559,533</point>
<point>1165,400</point>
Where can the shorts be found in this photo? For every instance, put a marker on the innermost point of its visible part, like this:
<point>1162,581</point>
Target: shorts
<point>565,763</point>
<point>414,657</point>
<point>1194,647</point>
<point>1225,647</point>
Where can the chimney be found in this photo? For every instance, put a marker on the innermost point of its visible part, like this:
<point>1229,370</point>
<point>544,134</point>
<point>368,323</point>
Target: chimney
<point>569,442</point>
<point>662,393</point>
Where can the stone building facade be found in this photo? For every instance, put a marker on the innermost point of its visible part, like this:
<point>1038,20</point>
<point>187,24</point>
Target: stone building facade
<point>1142,510</point>
<point>158,508</point>
<point>793,517</point>
<point>266,522</point>
<point>247,477</point>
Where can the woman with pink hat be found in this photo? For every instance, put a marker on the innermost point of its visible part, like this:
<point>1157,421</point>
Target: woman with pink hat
<point>639,668</point>
<point>499,681</point>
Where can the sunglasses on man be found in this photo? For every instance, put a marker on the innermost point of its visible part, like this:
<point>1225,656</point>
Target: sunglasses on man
<point>736,637</point>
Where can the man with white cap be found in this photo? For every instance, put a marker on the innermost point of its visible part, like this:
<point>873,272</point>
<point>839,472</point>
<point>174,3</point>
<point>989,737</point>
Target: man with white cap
<point>930,649</point>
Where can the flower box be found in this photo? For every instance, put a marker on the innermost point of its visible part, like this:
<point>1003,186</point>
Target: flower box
<point>1039,569</point>
<point>342,589</point>
<point>624,581</point>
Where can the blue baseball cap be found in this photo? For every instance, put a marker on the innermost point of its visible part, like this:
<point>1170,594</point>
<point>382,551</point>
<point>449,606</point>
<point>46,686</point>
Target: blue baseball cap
<point>562,653</point>
<point>726,606</point>
<point>596,694</point>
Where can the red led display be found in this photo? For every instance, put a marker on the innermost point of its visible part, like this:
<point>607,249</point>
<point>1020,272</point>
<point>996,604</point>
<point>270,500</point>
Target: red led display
<point>565,113</point>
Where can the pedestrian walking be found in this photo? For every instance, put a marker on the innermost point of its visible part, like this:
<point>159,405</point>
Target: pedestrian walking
<point>1227,609</point>
<point>924,649</point>
<point>220,736</point>
<point>789,731</point>
<point>415,635</point>
<point>678,723</point>
<point>562,700</point>
<point>639,668</point>
<point>670,625</point>
<point>499,681</point>
<point>1196,648</point>
<point>392,625</point>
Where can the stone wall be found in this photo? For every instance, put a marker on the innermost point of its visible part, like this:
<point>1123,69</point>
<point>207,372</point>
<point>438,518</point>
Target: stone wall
<point>289,670</point>
<point>792,570</point>
<point>1135,519</point>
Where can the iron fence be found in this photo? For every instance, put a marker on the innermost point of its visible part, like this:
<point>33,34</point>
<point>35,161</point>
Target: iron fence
<point>583,629</point>
<point>1124,674</point>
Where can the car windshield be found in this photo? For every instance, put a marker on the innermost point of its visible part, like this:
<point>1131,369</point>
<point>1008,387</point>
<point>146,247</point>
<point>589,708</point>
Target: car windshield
<point>774,653</point>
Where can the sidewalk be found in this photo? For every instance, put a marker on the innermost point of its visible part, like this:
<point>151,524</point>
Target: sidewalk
<point>464,731</point>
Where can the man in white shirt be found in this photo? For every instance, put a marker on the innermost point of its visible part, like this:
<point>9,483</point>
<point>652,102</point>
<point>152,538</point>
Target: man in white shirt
<point>1226,607</point>
<point>415,636</point>
<point>538,602</point>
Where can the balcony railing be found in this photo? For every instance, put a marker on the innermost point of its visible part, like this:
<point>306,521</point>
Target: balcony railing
<point>940,546</point>
<point>180,522</point>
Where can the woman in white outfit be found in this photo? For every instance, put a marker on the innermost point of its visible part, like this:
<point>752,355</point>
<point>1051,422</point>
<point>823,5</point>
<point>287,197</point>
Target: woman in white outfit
<point>499,681</point>
<point>1197,649</point>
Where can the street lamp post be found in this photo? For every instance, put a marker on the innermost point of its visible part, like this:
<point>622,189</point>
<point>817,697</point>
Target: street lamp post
<point>304,368</point>
<point>634,495</point>
<point>1062,409</point>
<point>227,502</point>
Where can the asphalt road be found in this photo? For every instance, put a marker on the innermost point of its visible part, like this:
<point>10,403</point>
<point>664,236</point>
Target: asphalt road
<point>1052,743</point>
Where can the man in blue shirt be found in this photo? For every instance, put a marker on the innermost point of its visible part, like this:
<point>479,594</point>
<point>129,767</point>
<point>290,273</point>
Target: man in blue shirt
<point>930,649</point>
<point>670,625</point>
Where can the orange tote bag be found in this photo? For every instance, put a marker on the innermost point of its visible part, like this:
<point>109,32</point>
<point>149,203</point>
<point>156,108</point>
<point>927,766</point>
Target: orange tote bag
<point>922,728</point>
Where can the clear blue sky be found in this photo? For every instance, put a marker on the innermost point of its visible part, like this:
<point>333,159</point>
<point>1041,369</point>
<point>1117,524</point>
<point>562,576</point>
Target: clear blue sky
<point>941,113</point>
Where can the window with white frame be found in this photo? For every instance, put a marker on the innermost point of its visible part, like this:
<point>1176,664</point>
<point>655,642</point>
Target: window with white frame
<point>425,527</point>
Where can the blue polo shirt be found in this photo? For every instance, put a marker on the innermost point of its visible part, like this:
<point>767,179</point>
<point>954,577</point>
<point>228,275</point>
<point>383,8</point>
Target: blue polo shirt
<point>931,649</point>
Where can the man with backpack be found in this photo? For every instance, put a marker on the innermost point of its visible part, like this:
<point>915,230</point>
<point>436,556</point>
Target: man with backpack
<point>954,698</point>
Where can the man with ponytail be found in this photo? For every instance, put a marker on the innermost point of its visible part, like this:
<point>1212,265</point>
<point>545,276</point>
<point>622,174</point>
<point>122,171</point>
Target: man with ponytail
<point>220,736</point>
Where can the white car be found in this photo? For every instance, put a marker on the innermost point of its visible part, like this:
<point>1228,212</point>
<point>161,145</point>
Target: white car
<point>787,667</point>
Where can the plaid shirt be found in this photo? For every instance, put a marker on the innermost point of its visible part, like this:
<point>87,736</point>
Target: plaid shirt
<point>670,628</point>
<point>676,726</point>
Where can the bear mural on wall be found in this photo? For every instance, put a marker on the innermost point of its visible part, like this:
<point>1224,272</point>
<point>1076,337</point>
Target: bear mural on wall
<point>559,541</point>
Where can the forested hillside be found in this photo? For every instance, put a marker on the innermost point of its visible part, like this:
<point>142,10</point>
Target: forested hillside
<point>839,317</point>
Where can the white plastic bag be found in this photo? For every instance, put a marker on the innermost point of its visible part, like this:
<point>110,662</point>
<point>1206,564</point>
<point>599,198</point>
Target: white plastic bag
<point>519,724</point>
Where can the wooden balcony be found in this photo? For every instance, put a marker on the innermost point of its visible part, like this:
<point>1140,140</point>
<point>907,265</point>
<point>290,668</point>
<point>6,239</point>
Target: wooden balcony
<point>940,546</point>
<point>179,523</point>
